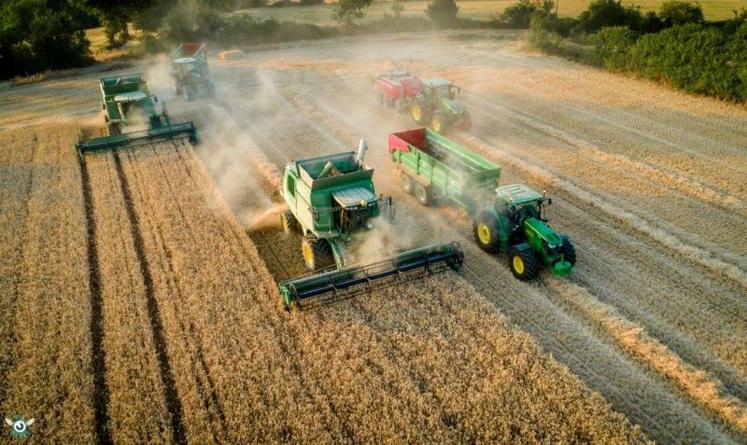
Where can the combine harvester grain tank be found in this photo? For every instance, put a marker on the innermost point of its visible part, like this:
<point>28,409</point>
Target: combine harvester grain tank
<point>506,219</point>
<point>128,104</point>
<point>332,202</point>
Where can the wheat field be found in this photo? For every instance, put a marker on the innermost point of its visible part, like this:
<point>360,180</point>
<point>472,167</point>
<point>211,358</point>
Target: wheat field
<point>141,285</point>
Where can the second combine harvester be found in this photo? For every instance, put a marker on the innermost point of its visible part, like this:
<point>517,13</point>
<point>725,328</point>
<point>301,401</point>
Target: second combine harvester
<point>332,202</point>
<point>131,116</point>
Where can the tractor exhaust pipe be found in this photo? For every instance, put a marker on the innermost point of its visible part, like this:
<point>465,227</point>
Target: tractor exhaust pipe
<point>362,147</point>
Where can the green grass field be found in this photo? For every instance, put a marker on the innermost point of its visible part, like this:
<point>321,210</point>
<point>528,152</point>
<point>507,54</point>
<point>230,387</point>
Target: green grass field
<point>475,9</point>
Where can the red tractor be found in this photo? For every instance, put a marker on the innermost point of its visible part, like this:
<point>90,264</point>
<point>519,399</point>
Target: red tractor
<point>398,89</point>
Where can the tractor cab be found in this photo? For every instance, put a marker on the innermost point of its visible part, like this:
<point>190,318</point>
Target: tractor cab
<point>519,203</point>
<point>189,66</point>
<point>441,89</point>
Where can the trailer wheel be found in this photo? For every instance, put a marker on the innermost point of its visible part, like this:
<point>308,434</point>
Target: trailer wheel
<point>407,184</point>
<point>316,252</point>
<point>422,194</point>
<point>569,252</point>
<point>486,233</point>
<point>288,221</point>
<point>400,105</point>
<point>524,263</point>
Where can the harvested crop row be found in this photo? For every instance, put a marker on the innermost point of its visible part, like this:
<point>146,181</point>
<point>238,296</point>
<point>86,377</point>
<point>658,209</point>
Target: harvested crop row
<point>254,378</point>
<point>137,407</point>
<point>364,387</point>
<point>45,320</point>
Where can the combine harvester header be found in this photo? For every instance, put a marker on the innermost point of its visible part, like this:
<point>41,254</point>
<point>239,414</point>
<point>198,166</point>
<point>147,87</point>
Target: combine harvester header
<point>333,203</point>
<point>127,102</point>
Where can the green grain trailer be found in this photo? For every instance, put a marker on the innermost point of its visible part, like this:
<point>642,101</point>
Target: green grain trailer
<point>129,105</point>
<point>505,219</point>
<point>333,203</point>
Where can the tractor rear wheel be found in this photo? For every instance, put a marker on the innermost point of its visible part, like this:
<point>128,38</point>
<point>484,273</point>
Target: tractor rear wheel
<point>422,194</point>
<point>439,123</point>
<point>316,252</point>
<point>569,252</point>
<point>288,221</point>
<point>486,233</point>
<point>407,183</point>
<point>524,263</point>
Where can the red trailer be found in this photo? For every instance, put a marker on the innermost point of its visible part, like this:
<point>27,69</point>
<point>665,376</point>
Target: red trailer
<point>398,88</point>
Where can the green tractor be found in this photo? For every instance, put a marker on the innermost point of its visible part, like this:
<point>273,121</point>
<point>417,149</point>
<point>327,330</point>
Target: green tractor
<point>513,223</point>
<point>436,107</point>
<point>505,219</point>
<point>333,204</point>
<point>129,105</point>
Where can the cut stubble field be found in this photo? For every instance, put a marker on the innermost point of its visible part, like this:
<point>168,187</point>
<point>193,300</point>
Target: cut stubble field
<point>163,265</point>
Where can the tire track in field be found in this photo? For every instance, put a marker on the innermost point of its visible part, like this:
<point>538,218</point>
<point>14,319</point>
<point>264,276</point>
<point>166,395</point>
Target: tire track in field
<point>712,304</point>
<point>537,327</point>
<point>98,353</point>
<point>173,403</point>
<point>287,344</point>
<point>661,175</point>
<point>207,389</point>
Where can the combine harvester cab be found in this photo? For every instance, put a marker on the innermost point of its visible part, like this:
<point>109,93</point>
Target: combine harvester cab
<point>438,108</point>
<point>190,71</point>
<point>128,103</point>
<point>333,203</point>
<point>505,219</point>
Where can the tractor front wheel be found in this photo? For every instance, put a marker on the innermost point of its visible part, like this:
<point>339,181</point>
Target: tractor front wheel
<point>569,252</point>
<point>407,184</point>
<point>524,263</point>
<point>486,233</point>
<point>422,194</point>
<point>316,252</point>
<point>288,221</point>
<point>439,123</point>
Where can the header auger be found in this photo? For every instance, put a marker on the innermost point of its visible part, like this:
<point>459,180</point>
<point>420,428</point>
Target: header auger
<point>129,104</point>
<point>333,203</point>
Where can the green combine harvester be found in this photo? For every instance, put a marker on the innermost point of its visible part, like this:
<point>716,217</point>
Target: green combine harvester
<point>129,105</point>
<point>505,219</point>
<point>333,203</point>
